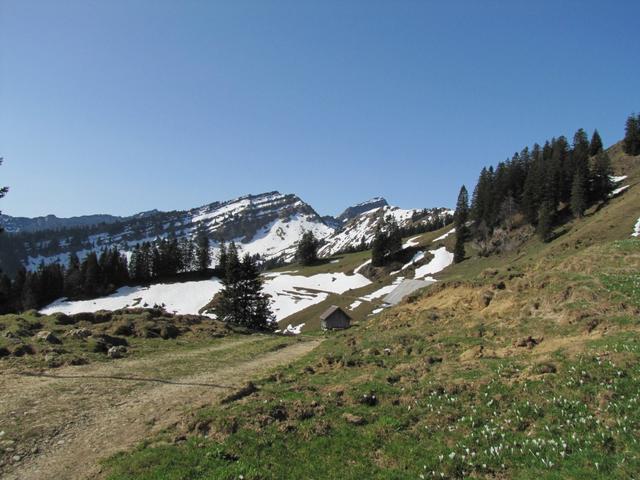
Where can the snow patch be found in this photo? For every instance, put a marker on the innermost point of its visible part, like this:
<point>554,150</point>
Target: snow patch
<point>618,190</point>
<point>357,270</point>
<point>412,242</point>
<point>442,237</point>
<point>293,293</point>
<point>615,179</point>
<point>182,298</point>
<point>441,260</point>
<point>291,330</point>
<point>355,305</point>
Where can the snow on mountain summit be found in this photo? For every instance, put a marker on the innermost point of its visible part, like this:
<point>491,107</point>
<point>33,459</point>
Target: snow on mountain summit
<point>269,224</point>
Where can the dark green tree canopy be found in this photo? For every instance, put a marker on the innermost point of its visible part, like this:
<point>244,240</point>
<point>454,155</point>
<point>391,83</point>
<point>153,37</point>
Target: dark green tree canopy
<point>307,251</point>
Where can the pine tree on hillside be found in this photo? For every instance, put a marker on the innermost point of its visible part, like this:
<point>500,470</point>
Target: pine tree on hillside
<point>241,301</point>
<point>307,251</point>
<point>545,220</point>
<point>5,294</point>
<point>378,247</point>
<point>631,142</point>
<point>203,254</point>
<point>460,219</point>
<point>578,194</point>
<point>73,280</point>
<point>393,242</point>
<point>532,192</point>
<point>601,185</point>
<point>3,192</point>
<point>581,145</point>
<point>222,258</point>
<point>595,147</point>
<point>30,292</point>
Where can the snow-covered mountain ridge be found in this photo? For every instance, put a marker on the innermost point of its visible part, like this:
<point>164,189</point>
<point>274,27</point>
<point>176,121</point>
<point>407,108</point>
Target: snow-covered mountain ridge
<point>268,224</point>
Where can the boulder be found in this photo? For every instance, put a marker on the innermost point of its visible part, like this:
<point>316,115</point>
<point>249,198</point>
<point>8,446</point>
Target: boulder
<point>353,419</point>
<point>117,351</point>
<point>46,336</point>
<point>79,333</point>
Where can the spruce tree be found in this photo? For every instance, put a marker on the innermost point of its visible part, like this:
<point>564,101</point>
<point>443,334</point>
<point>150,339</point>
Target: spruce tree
<point>91,273</point>
<point>241,300</point>
<point>545,220</point>
<point>631,142</point>
<point>203,254</point>
<point>601,177</point>
<point>378,247</point>
<point>222,258</point>
<point>460,217</point>
<point>307,251</point>
<point>393,242</point>
<point>595,147</point>
<point>578,194</point>
<point>3,192</point>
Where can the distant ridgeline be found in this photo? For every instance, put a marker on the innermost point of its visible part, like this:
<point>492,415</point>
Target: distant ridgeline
<point>546,185</point>
<point>41,265</point>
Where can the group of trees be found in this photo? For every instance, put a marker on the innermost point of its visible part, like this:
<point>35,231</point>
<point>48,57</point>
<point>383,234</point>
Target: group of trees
<point>386,241</point>
<point>169,256</point>
<point>535,183</point>
<point>631,142</point>
<point>93,276</point>
<point>241,301</point>
<point>100,274</point>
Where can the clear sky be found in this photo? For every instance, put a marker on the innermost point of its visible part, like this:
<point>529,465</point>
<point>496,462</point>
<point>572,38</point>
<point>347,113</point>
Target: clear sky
<point>120,106</point>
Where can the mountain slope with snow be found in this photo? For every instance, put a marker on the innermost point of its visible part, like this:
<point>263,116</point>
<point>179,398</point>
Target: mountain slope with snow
<point>269,225</point>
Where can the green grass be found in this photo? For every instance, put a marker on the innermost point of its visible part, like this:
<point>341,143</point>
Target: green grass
<point>552,427</point>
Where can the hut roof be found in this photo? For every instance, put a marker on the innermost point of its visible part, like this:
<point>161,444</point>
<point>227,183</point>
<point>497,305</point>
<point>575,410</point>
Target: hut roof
<point>330,311</point>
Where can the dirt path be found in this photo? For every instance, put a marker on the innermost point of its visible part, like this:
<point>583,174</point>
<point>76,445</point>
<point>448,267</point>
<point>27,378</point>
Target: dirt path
<point>77,416</point>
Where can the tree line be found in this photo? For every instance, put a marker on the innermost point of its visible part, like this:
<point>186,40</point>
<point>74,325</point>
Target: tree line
<point>101,274</point>
<point>537,184</point>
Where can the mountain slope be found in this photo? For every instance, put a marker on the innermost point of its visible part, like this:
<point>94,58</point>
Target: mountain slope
<point>268,224</point>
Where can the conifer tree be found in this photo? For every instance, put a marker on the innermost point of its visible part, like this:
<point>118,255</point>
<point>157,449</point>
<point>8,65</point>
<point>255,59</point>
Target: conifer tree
<point>602,185</point>
<point>578,194</point>
<point>393,242</point>
<point>5,294</point>
<point>378,247</point>
<point>3,192</point>
<point>242,301</point>
<point>631,142</point>
<point>222,258</point>
<point>595,146</point>
<point>203,254</point>
<point>91,273</point>
<point>545,220</point>
<point>307,251</point>
<point>73,280</point>
<point>460,220</point>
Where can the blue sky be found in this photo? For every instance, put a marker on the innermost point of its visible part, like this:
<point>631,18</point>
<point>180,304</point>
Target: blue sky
<point>122,106</point>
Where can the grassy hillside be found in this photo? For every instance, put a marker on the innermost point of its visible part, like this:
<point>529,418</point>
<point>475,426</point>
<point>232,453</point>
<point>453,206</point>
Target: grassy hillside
<point>518,365</point>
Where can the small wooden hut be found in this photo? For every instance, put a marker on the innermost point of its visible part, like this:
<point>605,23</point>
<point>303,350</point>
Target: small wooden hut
<point>334,318</point>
